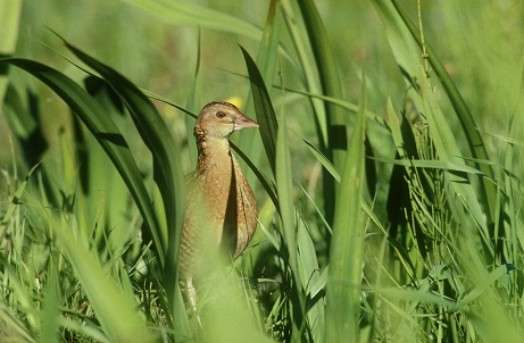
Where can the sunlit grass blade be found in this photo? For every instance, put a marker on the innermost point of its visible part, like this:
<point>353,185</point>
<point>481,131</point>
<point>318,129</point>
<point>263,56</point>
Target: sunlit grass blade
<point>346,260</point>
<point>406,51</point>
<point>267,53</point>
<point>10,11</point>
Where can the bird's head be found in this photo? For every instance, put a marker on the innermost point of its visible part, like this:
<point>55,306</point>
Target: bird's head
<point>221,119</point>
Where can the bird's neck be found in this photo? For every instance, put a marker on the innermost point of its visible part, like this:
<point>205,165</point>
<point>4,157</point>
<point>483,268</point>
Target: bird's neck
<point>213,154</point>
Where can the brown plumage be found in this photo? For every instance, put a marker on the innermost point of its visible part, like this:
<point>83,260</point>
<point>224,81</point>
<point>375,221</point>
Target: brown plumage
<point>221,210</point>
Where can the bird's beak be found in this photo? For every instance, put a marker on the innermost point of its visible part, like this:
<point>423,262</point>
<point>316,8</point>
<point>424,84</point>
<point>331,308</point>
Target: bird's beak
<point>243,122</point>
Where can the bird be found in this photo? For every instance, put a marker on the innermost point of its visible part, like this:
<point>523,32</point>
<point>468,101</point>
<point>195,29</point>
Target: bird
<point>221,209</point>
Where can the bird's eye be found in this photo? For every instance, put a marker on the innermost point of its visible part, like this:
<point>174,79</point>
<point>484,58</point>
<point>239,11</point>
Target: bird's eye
<point>220,114</point>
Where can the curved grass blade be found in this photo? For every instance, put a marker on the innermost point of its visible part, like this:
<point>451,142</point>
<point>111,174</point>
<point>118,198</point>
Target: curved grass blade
<point>187,13</point>
<point>266,64</point>
<point>496,274</point>
<point>263,109</point>
<point>106,133</point>
<point>167,171</point>
<point>153,130</point>
<point>326,163</point>
<point>268,187</point>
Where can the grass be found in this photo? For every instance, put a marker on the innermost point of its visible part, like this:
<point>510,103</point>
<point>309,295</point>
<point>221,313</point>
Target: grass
<point>387,170</point>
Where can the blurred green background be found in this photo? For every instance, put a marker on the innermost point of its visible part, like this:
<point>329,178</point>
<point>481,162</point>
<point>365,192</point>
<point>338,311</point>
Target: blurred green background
<point>479,42</point>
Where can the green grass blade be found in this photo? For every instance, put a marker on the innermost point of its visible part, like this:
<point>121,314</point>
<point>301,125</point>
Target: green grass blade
<point>266,64</point>
<point>264,180</point>
<point>263,108</point>
<point>406,51</point>
<point>267,54</point>
<point>307,67</point>
<point>284,183</point>
<point>322,77</point>
<point>10,11</point>
<point>187,13</point>
<point>326,163</point>
<point>153,130</point>
<point>49,314</point>
<point>278,155</point>
<point>345,260</point>
<point>310,277</point>
<point>328,73</point>
<point>450,166</point>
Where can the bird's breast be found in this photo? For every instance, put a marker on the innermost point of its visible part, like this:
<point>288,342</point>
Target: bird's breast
<point>230,202</point>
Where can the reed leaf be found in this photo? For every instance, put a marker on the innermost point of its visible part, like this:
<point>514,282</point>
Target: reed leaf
<point>346,260</point>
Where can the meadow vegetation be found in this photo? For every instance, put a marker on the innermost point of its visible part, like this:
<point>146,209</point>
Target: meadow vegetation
<point>388,169</point>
